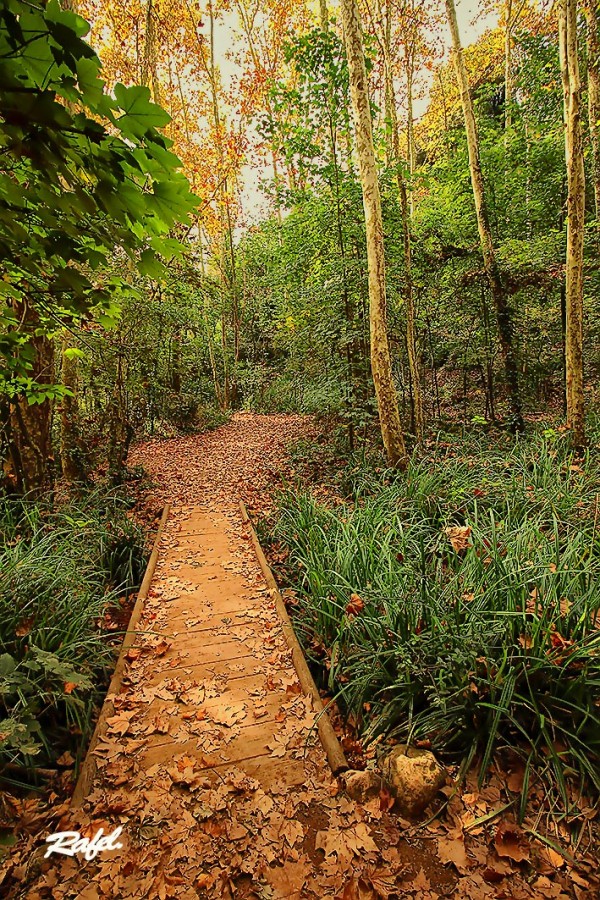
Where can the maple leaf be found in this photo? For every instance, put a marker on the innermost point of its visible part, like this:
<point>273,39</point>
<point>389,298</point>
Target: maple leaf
<point>277,746</point>
<point>347,841</point>
<point>229,715</point>
<point>452,850</point>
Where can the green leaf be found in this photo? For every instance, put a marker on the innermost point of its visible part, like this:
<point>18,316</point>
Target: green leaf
<point>140,114</point>
<point>74,353</point>
<point>150,265</point>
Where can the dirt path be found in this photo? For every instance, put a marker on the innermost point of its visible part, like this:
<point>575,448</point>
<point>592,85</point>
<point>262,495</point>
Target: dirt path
<point>241,460</point>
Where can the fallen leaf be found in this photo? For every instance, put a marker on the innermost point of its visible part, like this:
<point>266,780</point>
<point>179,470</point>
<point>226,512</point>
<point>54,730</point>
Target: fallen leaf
<point>459,536</point>
<point>511,842</point>
<point>66,760</point>
<point>355,606</point>
<point>452,851</point>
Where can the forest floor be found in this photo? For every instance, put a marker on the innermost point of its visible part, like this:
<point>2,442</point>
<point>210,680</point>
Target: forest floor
<point>210,763</point>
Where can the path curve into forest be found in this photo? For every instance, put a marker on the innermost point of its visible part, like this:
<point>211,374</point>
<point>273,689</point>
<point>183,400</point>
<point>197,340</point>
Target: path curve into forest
<point>238,461</point>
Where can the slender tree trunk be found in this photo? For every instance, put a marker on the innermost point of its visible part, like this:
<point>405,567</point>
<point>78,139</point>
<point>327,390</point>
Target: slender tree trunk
<point>229,384</point>
<point>590,8</point>
<point>381,367</point>
<point>410,131</point>
<point>503,313</point>
<point>29,466</point>
<point>567,27</point>
<point>324,15</point>
<point>512,11</point>
<point>71,456</point>
<point>444,103</point>
<point>411,338</point>
<point>149,67</point>
<point>508,68</point>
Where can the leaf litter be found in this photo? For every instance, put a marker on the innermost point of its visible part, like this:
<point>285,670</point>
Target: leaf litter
<point>211,810</point>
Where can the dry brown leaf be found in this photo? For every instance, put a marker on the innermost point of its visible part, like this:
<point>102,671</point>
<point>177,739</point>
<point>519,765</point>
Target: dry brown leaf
<point>229,715</point>
<point>459,536</point>
<point>452,851</point>
<point>510,842</point>
<point>66,760</point>
<point>355,606</point>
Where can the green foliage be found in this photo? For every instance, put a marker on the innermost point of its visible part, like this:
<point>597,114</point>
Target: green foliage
<point>83,174</point>
<point>488,646</point>
<point>151,374</point>
<point>60,571</point>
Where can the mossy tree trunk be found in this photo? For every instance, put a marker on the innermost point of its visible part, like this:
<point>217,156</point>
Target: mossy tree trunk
<point>591,10</point>
<point>381,367</point>
<point>408,292</point>
<point>29,466</point>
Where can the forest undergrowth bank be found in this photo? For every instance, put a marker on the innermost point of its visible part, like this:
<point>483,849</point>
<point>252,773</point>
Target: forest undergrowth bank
<point>69,571</point>
<point>455,607</point>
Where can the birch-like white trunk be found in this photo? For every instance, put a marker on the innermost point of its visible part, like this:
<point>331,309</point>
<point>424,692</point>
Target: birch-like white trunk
<point>503,313</point>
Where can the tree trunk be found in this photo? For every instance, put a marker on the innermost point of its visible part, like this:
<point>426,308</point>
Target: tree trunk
<point>385,389</point>
<point>149,67</point>
<point>411,339</point>
<point>503,314</point>
<point>569,64</point>
<point>508,67</point>
<point>71,455</point>
<point>324,15</point>
<point>29,466</point>
<point>590,8</point>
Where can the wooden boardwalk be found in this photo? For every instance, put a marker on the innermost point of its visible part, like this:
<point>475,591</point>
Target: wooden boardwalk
<point>210,760</point>
<point>223,683</point>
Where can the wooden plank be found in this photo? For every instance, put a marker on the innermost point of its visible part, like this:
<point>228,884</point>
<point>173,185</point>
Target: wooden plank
<point>88,769</point>
<point>268,771</point>
<point>331,745</point>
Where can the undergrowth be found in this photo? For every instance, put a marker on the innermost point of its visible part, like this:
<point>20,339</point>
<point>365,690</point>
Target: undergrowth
<point>61,570</point>
<point>457,604</point>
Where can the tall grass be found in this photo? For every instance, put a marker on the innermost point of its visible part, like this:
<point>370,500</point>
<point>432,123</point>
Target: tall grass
<point>60,571</point>
<point>493,646</point>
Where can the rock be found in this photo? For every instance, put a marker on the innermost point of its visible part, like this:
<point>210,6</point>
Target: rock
<point>363,786</point>
<point>414,776</point>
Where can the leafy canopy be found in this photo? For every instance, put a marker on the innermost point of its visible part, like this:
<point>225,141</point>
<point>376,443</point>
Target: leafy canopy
<point>82,173</point>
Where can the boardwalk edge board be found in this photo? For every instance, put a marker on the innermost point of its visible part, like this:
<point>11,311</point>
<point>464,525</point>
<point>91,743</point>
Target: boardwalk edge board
<point>88,768</point>
<point>331,745</point>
